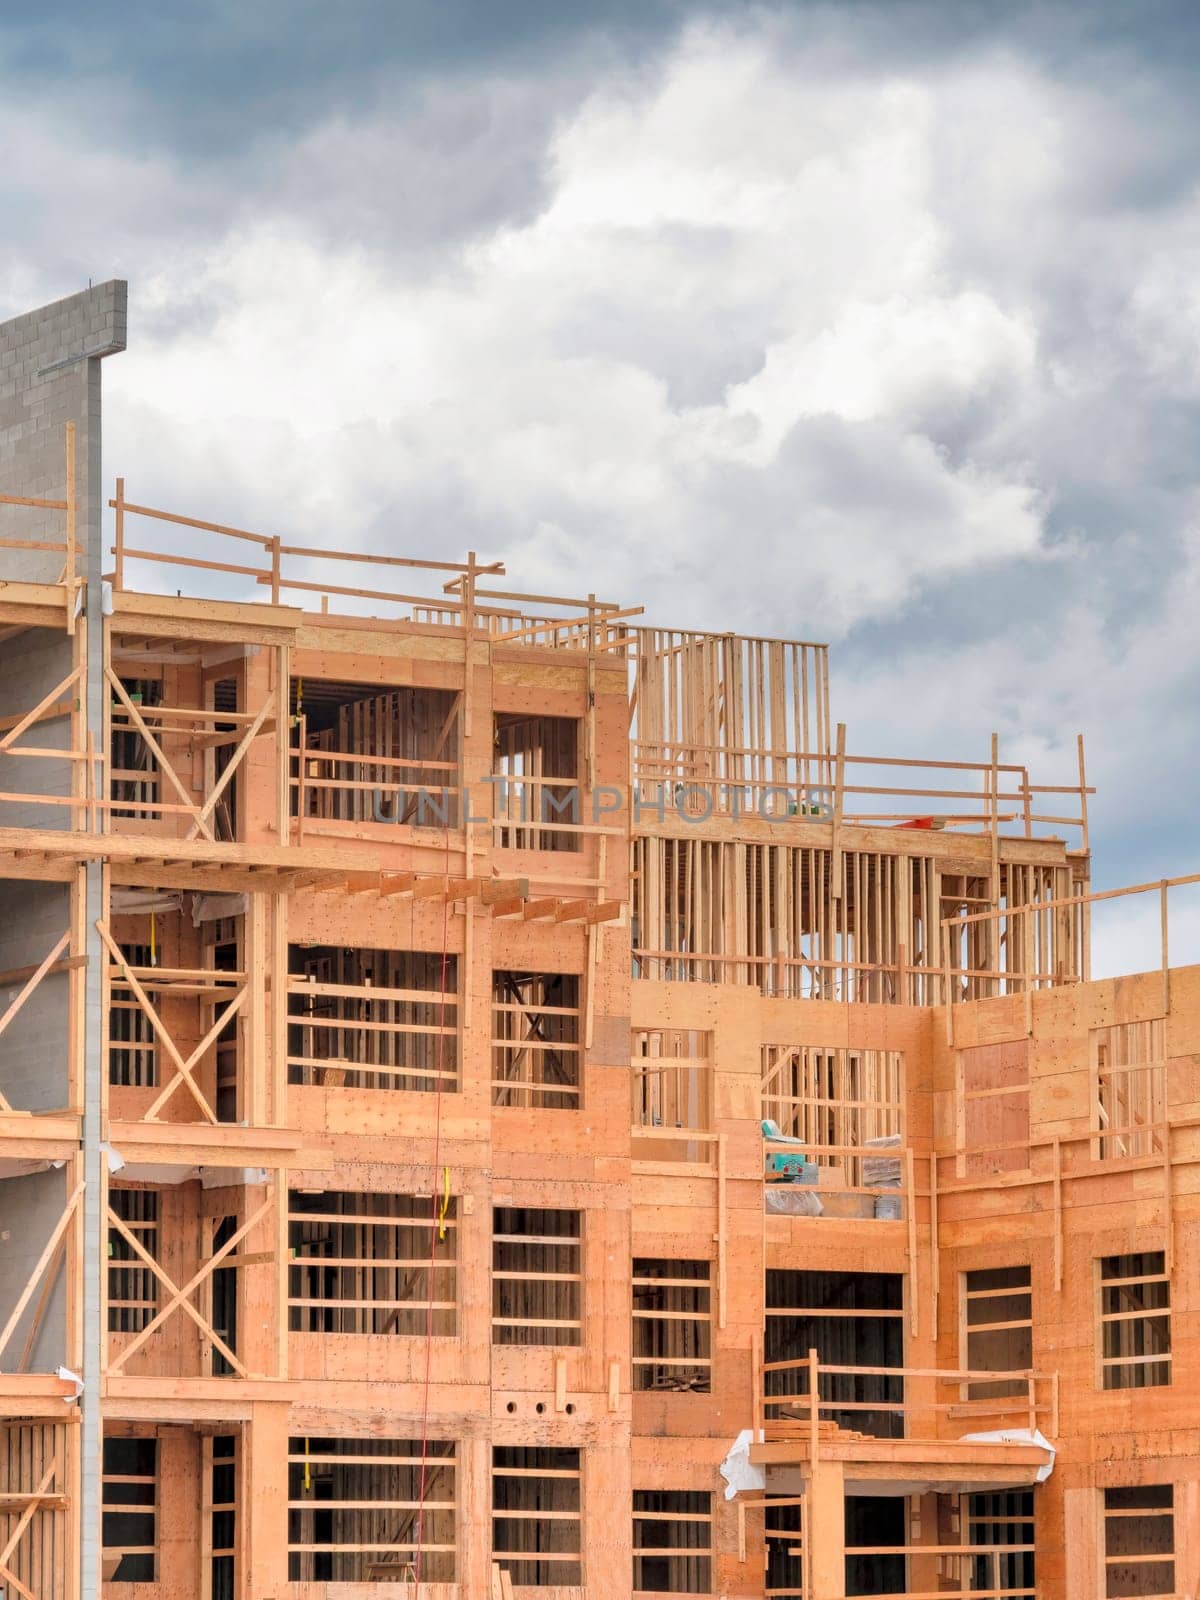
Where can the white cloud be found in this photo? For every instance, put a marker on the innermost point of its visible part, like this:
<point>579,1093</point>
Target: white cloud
<point>763,333</point>
<point>889,357</point>
<point>785,226</point>
<point>1126,933</point>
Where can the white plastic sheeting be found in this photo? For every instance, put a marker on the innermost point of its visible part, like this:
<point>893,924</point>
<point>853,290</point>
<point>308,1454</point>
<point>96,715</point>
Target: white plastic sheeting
<point>68,1376</point>
<point>1017,1436</point>
<point>738,1470</point>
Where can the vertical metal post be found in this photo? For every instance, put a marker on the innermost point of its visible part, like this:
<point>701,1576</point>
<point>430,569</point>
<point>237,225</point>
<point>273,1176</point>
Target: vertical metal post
<point>91,1443</point>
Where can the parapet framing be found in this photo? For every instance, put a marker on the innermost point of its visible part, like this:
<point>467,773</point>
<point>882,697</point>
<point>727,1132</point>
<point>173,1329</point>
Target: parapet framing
<point>496,1099</point>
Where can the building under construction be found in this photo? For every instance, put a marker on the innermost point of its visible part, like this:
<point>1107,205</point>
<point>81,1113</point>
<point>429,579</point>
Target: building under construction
<point>499,1096</point>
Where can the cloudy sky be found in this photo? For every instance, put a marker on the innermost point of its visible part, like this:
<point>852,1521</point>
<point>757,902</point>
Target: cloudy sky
<point>871,322</point>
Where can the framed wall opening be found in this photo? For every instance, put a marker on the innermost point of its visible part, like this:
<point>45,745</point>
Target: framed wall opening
<point>846,1107</point>
<point>537,1497</point>
<point>783,1532</point>
<point>672,1541</point>
<point>373,1019</point>
<point>362,754</point>
<point>372,1264</point>
<point>872,1521</point>
<point>1002,1526</point>
<point>536,795</point>
<point>353,1509</point>
<point>132,1045</point>
<point>223,1297</point>
<point>536,1048</point>
<point>219,1464</point>
<point>135,780</point>
<point>133,1289</point>
<point>672,1325</point>
<point>672,1084</point>
<point>179,733</point>
<point>179,999</point>
<point>1129,1074</point>
<point>997,1329</point>
<point>851,1319</point>
<point>130,1501</point>
<point>537,1276</point>
<point>1139,1541</point>
<point>1134,1320</point>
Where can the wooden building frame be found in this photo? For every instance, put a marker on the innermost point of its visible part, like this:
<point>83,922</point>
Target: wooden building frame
<point>506,1046</point>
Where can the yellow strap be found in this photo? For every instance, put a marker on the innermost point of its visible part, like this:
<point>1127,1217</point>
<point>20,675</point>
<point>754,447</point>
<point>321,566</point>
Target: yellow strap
<point>445,1206</point>
<point>153,941</point>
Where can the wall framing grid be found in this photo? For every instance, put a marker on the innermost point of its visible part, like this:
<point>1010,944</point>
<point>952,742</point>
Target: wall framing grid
<point>395,1088</point>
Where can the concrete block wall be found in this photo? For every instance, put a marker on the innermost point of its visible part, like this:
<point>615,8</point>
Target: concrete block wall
<point>30,1208</point>
<point>31,664</point>
<point>34,1070</point>
<point>50,374</point>
<point>41,389</point>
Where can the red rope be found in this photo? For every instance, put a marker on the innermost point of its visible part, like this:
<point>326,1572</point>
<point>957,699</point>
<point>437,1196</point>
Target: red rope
<point>433,1213</point>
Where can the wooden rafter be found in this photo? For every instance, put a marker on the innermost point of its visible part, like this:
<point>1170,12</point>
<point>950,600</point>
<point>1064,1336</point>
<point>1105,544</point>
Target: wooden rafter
<point>430,886</point>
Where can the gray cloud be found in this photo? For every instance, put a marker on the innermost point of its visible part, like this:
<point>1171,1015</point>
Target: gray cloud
<point>872,320</point>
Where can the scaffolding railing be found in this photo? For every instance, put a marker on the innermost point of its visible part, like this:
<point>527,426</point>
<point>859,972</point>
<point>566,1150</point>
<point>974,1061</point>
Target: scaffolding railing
<point>1024,933</point>
<point>696,781</point>
<point>800,1411</point>
<point>266,566</point>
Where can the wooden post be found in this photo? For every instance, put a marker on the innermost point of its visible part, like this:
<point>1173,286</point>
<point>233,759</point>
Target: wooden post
<point>70,575</point>
<point>278,1100</point>
<point>721,1234</point>
<point>839,787</point>
<point>756,1385</point>
<point>825,1531</point>
<point>1166,966</point>
<point>591,694</point>
<point>119,545</point>
<point>814,1409</point>
<point>992,985</point>
<point>283,744</point>
<point>1168,1203</point>
<point>468,600</point>
<point>1058,1216</point>
<point>252,1024</point>
<point>910,1208</point>
<point>934,1265</point>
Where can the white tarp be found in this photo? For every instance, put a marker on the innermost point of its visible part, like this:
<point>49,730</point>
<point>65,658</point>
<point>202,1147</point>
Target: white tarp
<point>738,1470</point>
<point>1017,1436</point>
<point>68,1376</point>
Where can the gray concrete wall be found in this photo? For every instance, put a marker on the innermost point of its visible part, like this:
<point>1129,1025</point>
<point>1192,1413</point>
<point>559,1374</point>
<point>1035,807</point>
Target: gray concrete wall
<point>50,366</point>
<point>33,1048</point>
<point>43,385</point>
<point>31,664</point>
<point>30,1207</point>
